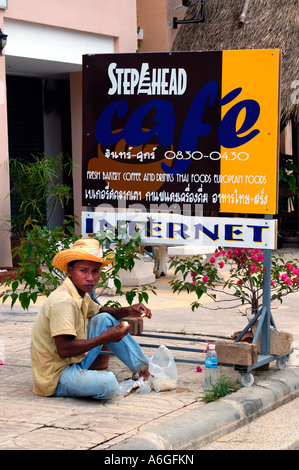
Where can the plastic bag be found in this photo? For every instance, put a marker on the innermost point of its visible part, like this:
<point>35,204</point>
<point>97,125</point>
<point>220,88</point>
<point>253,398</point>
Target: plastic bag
<point>163,370</point>
<point>128,386</point>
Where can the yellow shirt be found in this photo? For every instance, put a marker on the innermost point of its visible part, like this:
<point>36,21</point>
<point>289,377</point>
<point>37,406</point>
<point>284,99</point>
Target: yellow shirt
<point>64,312</point>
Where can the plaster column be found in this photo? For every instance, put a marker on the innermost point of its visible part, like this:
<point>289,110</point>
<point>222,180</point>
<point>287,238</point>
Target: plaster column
<point>5,259</point>
<point>76,119</point>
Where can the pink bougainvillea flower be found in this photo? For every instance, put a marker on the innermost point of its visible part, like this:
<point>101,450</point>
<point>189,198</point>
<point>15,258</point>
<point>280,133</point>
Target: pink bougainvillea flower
<point>193,274</point>
<point>212,260</point>
<point>205,279</point>
<point>253,268</point>
<point>198,369</point>
<point>240,282</point>
<point>193,283</point>
<point>221,264</point>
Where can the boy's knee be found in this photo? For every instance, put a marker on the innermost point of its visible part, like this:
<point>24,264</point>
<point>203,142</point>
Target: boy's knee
<point>113,386</point>
<point>102,319</point>
<point>109,386</point>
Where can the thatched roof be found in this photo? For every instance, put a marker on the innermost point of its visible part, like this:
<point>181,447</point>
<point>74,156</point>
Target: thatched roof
<point>269,24</point>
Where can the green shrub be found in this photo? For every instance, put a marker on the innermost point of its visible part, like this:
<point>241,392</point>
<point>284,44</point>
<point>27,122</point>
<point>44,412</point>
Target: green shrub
<point>36,274</point>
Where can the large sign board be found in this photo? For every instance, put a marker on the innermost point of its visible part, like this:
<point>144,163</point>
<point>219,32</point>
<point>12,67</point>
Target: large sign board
<point>175,229</point>
<point>184,127</point>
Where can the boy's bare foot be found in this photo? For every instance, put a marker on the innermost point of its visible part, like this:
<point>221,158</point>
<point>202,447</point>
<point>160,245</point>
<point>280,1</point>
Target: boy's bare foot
<point>144,373</point>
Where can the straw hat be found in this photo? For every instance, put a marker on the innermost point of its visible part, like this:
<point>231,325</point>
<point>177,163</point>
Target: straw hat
<point>84,249</point>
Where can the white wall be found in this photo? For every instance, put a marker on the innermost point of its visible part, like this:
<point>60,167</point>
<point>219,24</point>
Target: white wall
<point>49,43</point>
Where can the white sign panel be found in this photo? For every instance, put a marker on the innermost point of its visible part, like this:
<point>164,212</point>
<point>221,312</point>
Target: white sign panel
<point>175,229</point>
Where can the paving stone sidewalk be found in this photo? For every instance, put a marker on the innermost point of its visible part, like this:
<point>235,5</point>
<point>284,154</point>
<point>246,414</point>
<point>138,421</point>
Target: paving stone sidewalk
<point>31,422</point>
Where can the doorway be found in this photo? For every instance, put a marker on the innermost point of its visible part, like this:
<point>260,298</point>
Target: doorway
<point>39,121</point>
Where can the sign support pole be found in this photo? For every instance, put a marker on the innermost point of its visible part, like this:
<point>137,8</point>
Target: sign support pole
<point>266,302</point>
<point>265,321</point>
<point>264,314</point>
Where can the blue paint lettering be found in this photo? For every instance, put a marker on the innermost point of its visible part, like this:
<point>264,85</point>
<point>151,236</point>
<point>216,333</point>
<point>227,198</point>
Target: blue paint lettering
<point>212,235</point>
<point>181,230</point>
<point>257,232</point>
<point>228,136</point>
<point>193,128</point>
<point>230,232</point>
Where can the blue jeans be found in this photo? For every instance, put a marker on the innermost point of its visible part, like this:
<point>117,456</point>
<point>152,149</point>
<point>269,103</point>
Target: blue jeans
<point>77,381</point>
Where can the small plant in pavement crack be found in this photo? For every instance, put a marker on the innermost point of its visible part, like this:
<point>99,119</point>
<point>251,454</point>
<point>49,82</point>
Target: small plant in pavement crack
<point>222,387</point>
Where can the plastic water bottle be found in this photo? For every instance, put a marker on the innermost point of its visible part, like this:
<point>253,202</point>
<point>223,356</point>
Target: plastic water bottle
<point>211,367</point>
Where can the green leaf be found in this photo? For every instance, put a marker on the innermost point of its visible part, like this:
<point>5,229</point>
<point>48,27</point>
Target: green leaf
<point>130,295</point>
<point>15,285</point>
<point>14,298</point>
<point>25,303</point>
<point>117,284</point>
<point>34,296</point>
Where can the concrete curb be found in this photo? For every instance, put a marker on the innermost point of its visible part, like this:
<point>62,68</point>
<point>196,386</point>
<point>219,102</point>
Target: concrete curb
<point>196,428</point>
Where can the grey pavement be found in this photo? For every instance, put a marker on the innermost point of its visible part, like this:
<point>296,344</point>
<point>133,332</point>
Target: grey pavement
<point>174,420</point>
